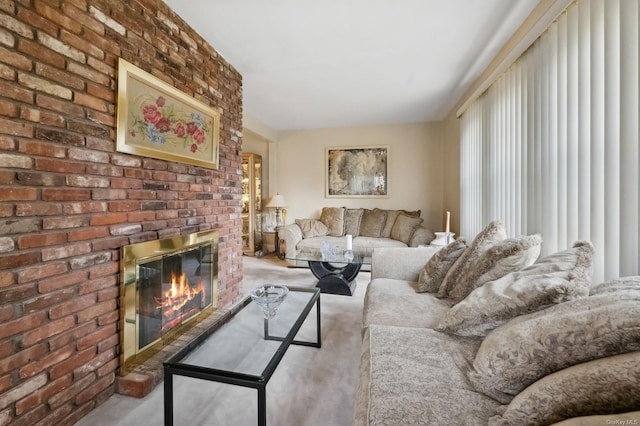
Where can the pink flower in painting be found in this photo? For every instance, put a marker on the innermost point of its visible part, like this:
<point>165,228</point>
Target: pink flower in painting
<point>160,101</point>
<point>194,148</point>
<point>198,135</point>
<point>151,114</point>
<point>180,130</point>
<point>163,125</point>
<point>191,128</point>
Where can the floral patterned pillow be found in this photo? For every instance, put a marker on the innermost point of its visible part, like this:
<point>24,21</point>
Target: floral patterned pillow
<point>333,218</point>
<point>491,234</point>
<point>559,277</point>
<point>312,228</point>
<point>603,386</point>
<point>529,347</point>
<point>433,273</point>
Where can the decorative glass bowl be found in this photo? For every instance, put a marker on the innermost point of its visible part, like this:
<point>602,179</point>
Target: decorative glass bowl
<point>269,297</point>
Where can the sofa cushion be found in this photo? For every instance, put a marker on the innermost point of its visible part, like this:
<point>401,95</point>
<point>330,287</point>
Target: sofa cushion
<point>384,296</point>
<point>531,346</point>
<point>421,237</point>
<point>410,385</point>
<point>404,227</point>
<point>623,283</point>
<point>333,218</point>
<point>352,218</point>
<point>373,222</point>
<point>603,386</point>
<point>562,276</point>
<point>491,234</point>
<point>392,215</point>
<point>312,228</point>
<point>509,255</point>
<point>437,266</point>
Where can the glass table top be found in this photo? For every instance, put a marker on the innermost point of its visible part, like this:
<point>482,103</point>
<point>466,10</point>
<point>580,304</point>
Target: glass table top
<point>239,347</point>
<point>336,257</point>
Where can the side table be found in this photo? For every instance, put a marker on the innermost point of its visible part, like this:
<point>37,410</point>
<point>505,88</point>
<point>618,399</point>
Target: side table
<point>280,249</point>
<point>270,241</point>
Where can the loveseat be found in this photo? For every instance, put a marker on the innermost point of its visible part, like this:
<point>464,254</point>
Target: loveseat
<point>488,333</point>
<point>369,229</point>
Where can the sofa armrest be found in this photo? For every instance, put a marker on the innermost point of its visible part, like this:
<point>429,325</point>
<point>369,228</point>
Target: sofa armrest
<point>291,235</point>
<point>421,236</point>
<point>401,263</point>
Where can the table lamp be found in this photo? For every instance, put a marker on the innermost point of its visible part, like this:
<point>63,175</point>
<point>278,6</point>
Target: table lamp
<point>277,202</point>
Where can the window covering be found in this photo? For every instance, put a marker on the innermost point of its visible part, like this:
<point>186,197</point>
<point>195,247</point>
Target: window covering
<point>553,146</point>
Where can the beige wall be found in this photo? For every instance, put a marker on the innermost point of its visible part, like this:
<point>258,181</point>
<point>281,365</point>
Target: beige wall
<point>416,158</point>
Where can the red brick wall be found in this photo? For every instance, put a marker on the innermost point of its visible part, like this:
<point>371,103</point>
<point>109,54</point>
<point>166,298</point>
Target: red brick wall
<point>69,201</point>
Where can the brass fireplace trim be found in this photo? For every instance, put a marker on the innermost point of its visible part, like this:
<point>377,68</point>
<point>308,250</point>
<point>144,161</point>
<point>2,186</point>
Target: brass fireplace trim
<point>133,254</point>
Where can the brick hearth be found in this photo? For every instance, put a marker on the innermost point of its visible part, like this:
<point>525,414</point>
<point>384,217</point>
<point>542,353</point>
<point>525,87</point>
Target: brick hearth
<point>69,201</point>
<point>141,381</point>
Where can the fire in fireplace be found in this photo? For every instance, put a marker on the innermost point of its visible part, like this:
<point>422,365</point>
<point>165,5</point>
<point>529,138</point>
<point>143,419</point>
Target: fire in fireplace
<point>165,284</point>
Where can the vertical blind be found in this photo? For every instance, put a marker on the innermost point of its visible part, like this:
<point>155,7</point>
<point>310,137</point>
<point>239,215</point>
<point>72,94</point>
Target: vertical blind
<point>553,146</point>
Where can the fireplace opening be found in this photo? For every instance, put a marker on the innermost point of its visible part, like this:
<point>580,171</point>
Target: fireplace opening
<point>166,284</point>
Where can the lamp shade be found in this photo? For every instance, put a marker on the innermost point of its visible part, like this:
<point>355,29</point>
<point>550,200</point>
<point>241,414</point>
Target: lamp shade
<point>277,201</point>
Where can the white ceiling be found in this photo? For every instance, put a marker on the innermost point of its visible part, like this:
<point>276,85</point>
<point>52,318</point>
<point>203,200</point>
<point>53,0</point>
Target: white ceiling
<point>335,63</point>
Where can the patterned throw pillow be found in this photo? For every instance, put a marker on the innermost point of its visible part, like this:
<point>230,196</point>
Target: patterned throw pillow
<point>392,215</point>
<point>560,277</point>
<point>491,234</point>
<point>503,257</point>
<point>352,219</point>
<point>421,237</point>
<point>404,228</point>
<point>373,222</point>
<point>437,266</point>
<point>623,283</point>
<point>603,386</point>
<point>312,228</point>
<point>333,218</point>
<point>531,346</point>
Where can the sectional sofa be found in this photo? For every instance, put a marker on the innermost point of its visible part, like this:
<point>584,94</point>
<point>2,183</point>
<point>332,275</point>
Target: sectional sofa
<point>369,228</point>
<point>489,333</point>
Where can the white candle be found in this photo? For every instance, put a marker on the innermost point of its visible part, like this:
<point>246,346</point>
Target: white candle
<point>446,228</point>
<point>349,242</point>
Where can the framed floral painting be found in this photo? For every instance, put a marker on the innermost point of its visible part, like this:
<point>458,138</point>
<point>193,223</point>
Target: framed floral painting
<point>357,172</point>
<point>156,120</point>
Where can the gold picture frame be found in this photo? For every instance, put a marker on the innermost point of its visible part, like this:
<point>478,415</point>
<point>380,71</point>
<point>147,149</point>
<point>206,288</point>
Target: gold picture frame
<point>357,172</point>
<point>156,120</point>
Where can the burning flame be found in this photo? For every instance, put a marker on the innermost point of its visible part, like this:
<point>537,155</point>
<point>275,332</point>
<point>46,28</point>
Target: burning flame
<point>180,293</point>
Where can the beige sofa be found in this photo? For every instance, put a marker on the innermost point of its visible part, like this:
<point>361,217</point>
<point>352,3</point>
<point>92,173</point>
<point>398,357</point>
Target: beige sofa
<point>369,228</point>
<point>534,346</point>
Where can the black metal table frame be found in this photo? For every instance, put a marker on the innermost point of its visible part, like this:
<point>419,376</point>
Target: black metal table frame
<point>259,383</point>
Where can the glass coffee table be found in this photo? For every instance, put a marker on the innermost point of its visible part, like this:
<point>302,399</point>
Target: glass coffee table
<point>244,348</point>
<point>335,273</point>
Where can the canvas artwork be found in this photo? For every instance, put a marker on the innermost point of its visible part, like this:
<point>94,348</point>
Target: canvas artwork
<point>156,120</point>
<point>357,172</point>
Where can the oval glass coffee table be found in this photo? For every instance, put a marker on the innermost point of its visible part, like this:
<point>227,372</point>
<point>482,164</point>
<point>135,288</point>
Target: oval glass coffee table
<point>335,273</point>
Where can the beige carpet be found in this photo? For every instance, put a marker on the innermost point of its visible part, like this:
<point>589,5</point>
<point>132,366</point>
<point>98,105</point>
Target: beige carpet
<point>310,386</point>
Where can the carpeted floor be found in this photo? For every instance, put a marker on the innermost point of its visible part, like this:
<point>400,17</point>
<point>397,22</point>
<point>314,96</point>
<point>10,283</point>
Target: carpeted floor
<point>310,386</point>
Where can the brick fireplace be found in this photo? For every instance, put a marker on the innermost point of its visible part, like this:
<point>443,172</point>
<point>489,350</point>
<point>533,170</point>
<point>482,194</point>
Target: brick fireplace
<point>69,202</point>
